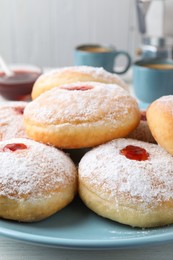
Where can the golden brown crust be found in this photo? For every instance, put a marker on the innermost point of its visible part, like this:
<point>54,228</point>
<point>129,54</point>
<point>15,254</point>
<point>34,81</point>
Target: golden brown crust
<point>79,136</point>
<point>36,181</point>
<point>129,191</point>
<point>29,210</point>
<point>70,75</point>
<point>126,212</point>
<point>160,121</point>
<point>76,119</point>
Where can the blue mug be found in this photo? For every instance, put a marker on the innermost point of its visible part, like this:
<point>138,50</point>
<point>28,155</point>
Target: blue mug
<point>152,78</point>
<point>100,56</point>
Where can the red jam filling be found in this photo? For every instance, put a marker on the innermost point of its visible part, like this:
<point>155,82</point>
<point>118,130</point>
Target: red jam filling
<point>143,116</point>
<point>83,88</point>
<point>135,153</point>
<point>19,110</point>
<point>14,147</point>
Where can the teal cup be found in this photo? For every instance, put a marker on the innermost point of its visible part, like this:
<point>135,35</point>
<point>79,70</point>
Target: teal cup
<point>152,78</point>
<point>100,56</point>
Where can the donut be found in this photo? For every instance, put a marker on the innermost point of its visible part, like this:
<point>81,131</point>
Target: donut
<point>36,180</point>
<point>128,181</point>
<point>142,132</point>
<point>74,74</point>
<point>81,115</point>
<point>160,121</point>
<point>11,120</point>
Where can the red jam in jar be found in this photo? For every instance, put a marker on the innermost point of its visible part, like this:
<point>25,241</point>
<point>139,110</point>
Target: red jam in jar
<point>19,85</point>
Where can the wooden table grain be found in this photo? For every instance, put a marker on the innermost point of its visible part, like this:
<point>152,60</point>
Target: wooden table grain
<point>15,250</point>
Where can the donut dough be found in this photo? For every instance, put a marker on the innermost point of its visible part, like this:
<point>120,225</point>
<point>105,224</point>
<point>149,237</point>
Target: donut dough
<point>160,121</point>
<point>81,115</point>
<point>135,192</point>
<point>142,132</point>
<point>36,180</point>
<point>11,120</point>
<point>74,74</point>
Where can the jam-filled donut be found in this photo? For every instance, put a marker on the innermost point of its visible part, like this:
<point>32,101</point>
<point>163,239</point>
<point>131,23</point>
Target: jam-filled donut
<point>36,180</point>
<point>74,74</point>
<point>81,115</point>
<point>160,121</point>
<point>128,181</point>
<point>142,132</point>
<point>11,120</point>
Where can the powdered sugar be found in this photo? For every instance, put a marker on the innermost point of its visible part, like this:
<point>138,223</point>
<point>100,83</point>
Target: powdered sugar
<point>97,73</point>
<point>11,120</point>
<point>142,133</point>
<point>168,98</point>
<point>33,171</point>
<point>147,182</point>
<point>64,106</point>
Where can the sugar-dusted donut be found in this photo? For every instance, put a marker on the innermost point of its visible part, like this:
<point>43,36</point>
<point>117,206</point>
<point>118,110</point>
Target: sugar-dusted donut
<point>128,181</point>
<point>142,132</point>
<point>11,120</point>
<point>160,121</point>
<point>35,180</point>
<point>74,74</point>
<point>81,115</point>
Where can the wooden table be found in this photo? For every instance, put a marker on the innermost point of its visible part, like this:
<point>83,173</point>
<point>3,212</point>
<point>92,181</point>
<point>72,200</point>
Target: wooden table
<point>13,250</point>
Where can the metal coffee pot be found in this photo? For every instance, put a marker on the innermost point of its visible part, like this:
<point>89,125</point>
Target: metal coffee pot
<point>151,46</point>
<point>156,47</point>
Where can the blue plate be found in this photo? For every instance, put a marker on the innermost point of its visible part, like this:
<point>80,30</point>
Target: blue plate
<point>76,227</point>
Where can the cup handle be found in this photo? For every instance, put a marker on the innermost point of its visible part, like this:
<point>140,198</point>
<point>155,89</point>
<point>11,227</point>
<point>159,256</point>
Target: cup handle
<point>128,62</point>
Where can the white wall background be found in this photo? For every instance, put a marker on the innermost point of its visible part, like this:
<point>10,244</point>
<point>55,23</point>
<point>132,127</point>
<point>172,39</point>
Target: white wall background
<point>45,32</point>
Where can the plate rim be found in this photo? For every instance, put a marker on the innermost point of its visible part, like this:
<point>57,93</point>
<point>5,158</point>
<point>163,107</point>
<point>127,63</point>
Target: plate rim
<point>91,244</point>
